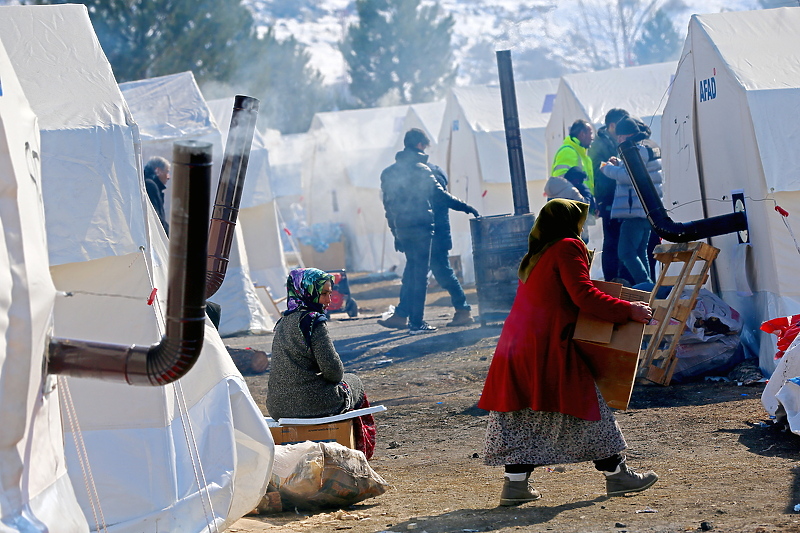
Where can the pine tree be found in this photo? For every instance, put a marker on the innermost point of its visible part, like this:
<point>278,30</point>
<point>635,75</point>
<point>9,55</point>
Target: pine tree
<point>399,52</point>
<point>659,41</point>
<point>602,34</point>
<point>280,75</point>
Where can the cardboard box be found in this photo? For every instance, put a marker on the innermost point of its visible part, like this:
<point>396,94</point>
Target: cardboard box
<point>341,432</point>
<point>331,259</point>
<point>611,350</point>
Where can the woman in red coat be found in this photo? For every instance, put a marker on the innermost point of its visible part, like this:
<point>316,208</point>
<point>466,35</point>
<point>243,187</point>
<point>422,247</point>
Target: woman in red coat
<point>544,405</point>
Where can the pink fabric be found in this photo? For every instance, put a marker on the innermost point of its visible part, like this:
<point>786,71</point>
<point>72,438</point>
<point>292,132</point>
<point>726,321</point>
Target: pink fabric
<point>365,431</point>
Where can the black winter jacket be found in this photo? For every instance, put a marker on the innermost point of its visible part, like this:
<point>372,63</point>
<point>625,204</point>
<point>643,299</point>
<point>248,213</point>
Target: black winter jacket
<point>155,191</point>
<point>602,149</point>
<point>441,211</point>
<point>410,192</point>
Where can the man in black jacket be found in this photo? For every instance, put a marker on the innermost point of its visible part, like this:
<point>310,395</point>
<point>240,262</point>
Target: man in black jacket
<point>601,150</point>
<point>156,176</point>
<point>409,191</point>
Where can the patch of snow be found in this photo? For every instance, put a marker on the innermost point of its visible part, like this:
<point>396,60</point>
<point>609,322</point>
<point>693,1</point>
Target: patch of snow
<point>324,27</point>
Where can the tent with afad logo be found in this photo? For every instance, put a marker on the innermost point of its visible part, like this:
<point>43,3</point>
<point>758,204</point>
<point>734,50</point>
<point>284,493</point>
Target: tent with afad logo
<point>731,124</point>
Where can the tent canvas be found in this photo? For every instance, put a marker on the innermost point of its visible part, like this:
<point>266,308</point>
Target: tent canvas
<point>341,180</point>
<point>169,109</point>
<point>472,150</point>
<point>258,216</point>
<point>28,450</point>
<point>641,90</point>
<point>731,123</point>
<point>144,445</point>
<point>286,155</point>
<point>428,118</point>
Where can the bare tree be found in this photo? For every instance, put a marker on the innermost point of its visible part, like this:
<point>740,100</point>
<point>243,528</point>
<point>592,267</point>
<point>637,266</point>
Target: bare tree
<point>603,34</point>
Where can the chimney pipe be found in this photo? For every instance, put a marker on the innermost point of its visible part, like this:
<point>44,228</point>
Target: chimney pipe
<point>179,349</point>
<point>656,213</point>
<point>229,190</point>
<point>516,164</point>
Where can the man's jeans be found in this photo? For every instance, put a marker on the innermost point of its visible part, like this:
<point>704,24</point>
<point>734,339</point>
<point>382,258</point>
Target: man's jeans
<point>417,249</point>
<point>634,233</point>
<point>612,268</point>
<point>446,277</point>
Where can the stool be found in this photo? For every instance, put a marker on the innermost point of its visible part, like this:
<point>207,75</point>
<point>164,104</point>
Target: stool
<point>336,428</point>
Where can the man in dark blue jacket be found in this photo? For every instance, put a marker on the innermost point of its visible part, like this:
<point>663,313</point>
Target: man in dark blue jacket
<point>441,246</point>
<point>409,191</point>
<point>156,176</point>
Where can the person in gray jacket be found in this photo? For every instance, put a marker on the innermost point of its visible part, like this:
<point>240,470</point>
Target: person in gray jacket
<point>635,229</point>
<point>410,191</point>
<point>307,377</point>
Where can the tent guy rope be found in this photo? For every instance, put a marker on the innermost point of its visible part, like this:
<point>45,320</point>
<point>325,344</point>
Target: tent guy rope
<point>80,450</point>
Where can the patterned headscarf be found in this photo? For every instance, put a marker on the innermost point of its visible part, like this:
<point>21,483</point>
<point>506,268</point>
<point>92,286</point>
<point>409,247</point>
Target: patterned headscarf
<point>303,288</point>
<point>558,219</point>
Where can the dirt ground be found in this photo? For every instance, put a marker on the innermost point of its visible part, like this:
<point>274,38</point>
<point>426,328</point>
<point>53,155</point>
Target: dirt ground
<point>723,466</point>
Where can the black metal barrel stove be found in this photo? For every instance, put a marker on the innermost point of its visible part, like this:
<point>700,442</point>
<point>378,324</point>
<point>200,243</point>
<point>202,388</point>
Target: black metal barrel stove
<point>499,242</point>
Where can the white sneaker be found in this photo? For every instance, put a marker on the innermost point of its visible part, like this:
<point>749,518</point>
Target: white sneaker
<point>422,328</point>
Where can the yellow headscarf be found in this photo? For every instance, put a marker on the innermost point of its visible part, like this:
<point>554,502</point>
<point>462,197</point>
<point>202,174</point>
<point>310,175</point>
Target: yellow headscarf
<point>558,219</point>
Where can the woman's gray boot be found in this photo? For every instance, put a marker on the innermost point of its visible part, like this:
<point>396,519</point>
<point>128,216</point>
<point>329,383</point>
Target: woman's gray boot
<point>517,492</point>
<point>627,480</point>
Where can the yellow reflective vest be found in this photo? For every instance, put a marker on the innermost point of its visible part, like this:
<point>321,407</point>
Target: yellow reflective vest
<point>572,154</point>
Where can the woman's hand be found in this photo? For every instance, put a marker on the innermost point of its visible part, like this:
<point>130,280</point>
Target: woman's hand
<point>641,312</point>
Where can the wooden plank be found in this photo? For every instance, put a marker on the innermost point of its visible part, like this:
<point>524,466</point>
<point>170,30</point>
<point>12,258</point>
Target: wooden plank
<point>656,375</point>
<point>671,329</point>
<point>693,279</point>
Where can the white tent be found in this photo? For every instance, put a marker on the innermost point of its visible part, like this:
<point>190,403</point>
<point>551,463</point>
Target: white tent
<point>171,108</point>
<point>258,216</point>
<point>286,155</point>
<point>731,123</point>
<point>341,180</point>
<point>642,91</point>
<point>286,159</point>
<point>33,473</point>
<point>184,456</point>
<point>473,152</point>
<point>428,118</point>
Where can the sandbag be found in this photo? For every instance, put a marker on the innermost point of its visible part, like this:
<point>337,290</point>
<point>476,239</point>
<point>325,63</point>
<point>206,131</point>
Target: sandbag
<point>317,475</point>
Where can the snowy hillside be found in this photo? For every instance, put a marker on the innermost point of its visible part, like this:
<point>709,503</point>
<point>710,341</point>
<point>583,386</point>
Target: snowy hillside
<point>508,24</point>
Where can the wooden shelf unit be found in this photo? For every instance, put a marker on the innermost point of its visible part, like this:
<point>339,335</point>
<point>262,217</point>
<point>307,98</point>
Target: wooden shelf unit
<point>657,361</point>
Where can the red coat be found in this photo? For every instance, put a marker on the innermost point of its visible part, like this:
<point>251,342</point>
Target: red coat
<point>535,364</point>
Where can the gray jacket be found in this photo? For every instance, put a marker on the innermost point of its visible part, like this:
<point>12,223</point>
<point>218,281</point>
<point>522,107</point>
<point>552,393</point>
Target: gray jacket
<point>626,202</point>
<point>304,382</point>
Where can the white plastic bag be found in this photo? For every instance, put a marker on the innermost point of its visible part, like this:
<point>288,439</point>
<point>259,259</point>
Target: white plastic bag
<point>318,475</point>
<point>711,319</point>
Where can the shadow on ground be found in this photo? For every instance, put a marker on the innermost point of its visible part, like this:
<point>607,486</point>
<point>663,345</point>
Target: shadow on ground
<point>491,519</point>
<point>365,351</point>
<point>649,396</point>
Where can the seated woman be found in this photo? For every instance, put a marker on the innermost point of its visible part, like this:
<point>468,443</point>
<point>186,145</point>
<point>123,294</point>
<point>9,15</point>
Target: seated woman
<point>306,378</point>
